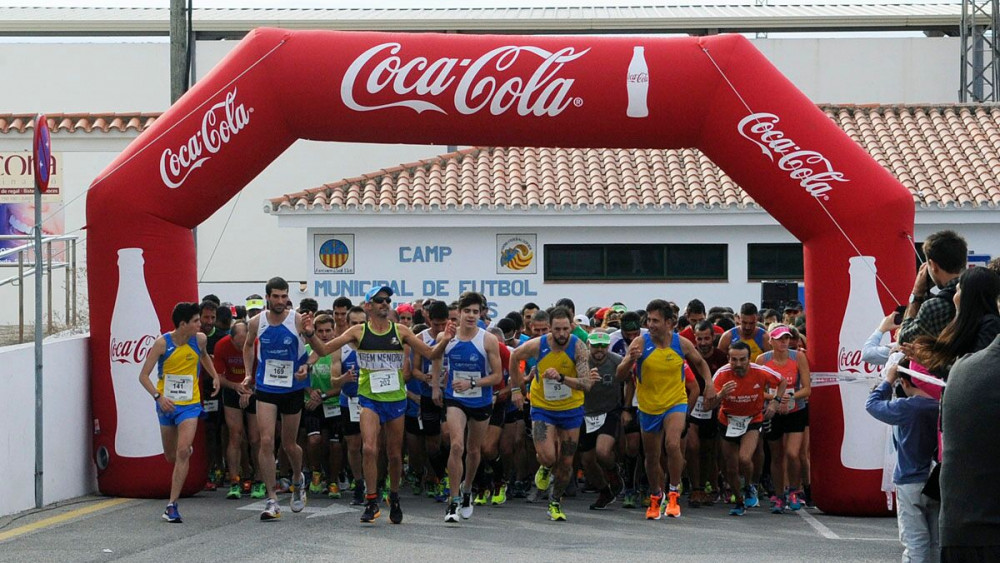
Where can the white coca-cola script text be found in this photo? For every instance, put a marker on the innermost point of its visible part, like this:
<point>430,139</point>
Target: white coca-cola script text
<point>811,169</point>
<point>849,361</point>
<point>131,351</point>
<point>541,93</point>
<point>219,125</point>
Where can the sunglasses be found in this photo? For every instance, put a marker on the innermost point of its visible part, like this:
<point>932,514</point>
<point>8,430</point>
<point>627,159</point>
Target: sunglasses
<point>381,300</point>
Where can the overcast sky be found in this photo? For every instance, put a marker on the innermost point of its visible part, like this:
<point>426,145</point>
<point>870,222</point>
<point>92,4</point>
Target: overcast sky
<point>434,3</point>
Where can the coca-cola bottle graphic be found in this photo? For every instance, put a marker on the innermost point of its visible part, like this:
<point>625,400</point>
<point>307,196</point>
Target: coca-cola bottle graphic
<point>637,84</point>
<point>864,441</point>
<point>134,328</point>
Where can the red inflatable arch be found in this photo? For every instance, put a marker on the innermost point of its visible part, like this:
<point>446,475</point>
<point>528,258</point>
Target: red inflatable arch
<point>718,94</point>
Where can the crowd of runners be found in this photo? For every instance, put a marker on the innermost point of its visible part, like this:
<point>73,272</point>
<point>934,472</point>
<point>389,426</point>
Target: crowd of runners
<point>371,401</point>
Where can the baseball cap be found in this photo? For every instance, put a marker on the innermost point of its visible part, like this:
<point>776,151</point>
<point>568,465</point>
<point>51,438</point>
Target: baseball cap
<point>793,306</point>
<point>375,291</point>
<point>619,308</point>
<point>581,320</point>
<point>631,325</point>
<point>779,331</point>
<point>600,314</point>
<point>599,339</point>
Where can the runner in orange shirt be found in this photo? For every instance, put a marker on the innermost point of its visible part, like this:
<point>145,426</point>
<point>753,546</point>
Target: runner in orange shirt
<point>740,387</point>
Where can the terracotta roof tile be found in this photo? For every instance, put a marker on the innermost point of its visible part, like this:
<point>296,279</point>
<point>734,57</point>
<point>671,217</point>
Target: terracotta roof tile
<point>945,155</point>
<point>84,122</point>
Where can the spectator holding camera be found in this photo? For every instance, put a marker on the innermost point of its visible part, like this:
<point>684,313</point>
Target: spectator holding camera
<point>927,314</point>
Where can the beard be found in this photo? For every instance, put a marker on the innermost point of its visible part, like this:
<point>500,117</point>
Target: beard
<point>560,341</point>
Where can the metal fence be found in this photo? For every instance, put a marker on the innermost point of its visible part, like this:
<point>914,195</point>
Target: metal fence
<point>25,269</point>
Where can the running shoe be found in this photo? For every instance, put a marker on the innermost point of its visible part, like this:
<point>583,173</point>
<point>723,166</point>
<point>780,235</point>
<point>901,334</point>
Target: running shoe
<point>533,496</point>
<point>316,486</point>
<point>395,511</point>
<point>630,499</point>
<point>673,509</point>
<point>284,485</point>
<point>417,487</point>
<point>466,510</point>
<point>777,505</point>
<point>298,501</point>
<point>210,485</point>
<point>271,511</point>
<point>556,513</point>
<point>482,498</point>
<point>451,513</point>
<point>171,514</point>
<point>359,495</point>
<point>517,490</point>
<point>235,491</point>
<point>542,478</point>
<point>751,497</point>
<point>333,490</point>
<point>794,502</point>
<point>653,512</point>
<point>371,512</point>
<point>604,497</point>
<point>499,495</point>
<point>738,510</point>
<point>258,490</point>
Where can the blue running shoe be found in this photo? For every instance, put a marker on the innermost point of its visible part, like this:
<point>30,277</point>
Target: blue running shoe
<point>794,502</point>
<point>751,497</point>
<point>738,510</point>
<point>171,514</point>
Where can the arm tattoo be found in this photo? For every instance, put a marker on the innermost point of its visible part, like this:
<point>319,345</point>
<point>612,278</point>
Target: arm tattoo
<point>539,431</point>
<point>568,448</point>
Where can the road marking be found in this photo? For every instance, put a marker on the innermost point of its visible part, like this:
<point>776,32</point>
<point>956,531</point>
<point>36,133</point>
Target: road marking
<point>817,525</point>
<point>59,519</point>
<point>312,511</point>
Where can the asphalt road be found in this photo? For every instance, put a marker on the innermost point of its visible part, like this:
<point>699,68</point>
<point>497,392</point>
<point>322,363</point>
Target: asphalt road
<point>215,529</point>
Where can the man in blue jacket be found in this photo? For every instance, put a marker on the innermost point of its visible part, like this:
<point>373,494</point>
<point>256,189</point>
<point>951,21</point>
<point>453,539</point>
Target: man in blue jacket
<point>914,434</point>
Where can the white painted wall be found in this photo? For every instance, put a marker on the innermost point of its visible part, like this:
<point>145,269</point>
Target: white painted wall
<point>68,468</point>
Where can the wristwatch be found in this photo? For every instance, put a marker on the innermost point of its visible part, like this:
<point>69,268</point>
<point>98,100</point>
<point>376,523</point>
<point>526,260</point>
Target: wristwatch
<point>472,382</point>
<point>157,396</point>
<point>914,298</point>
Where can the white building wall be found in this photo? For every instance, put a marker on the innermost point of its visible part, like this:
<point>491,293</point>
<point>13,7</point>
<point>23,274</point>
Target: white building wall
<point>68,469</point>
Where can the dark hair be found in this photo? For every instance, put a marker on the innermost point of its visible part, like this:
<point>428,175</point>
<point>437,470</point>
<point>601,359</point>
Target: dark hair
<point>342,301</point>
<point>357,309</point>
<point>418,328</point>
<point>438,311</point>
<point>980,289</point>
<point>275,283</point>
<point>765,313</point>
<point>529,305</point>
<point>223,314</point>
<point>208,306</point>
<point>666,311</point>
<point>184,312</point>
<point>725,323</point>
<point>471,298</point>
<point>541,316</point>
<point>704,325</point>
<point>506,324</point>
<point>695,306</point>
<point>748,309</point>
<point>740,345</point>
<point>560,312</point>
<point>213,298</point>
<point>948,250</point>
<point>516,318</point>
<point>308,304</point>
<point>241,312</point>
<point>682,323</point>
<point>322,319</point>
<point>568,304</point>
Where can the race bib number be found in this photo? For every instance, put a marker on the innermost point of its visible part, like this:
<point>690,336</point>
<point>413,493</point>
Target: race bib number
<point>699,411</point>
<point>331,411</point>
<point>354,409</point>
<point>278,373</point>
<point>555,391</point>
<point>737,426</point>
<point>210,406</point>
<point>594,423</point>
<point>178,388</point>
<point>471,393</point>
<point>383,380</point>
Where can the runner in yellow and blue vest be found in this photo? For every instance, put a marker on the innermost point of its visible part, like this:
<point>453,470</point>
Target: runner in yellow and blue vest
<point>659,358</point>
<point>748,332</point>
<point>562,376</point>
<point>381,388</point>
<point>178,356</point>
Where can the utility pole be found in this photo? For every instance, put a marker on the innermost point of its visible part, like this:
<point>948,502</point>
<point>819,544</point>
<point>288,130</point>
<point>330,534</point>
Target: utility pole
<point>179,70</point>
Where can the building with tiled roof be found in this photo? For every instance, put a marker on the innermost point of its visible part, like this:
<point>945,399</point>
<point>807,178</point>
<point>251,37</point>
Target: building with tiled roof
<point>622,222</point>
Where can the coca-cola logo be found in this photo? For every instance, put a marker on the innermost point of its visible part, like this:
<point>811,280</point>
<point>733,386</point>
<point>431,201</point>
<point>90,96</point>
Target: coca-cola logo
<point>131,351</point>
<point>638,78</point>
<point>478,83</point>
<point>849,361</point>
<point>219,125</point>
<point>811,169</point>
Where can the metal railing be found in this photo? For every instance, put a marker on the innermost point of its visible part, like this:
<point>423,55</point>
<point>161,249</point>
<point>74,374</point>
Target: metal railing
<point>69,264</point>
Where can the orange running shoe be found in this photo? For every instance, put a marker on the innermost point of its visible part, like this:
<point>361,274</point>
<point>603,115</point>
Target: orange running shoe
<point>673,507</point>
<point>653,512</point>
